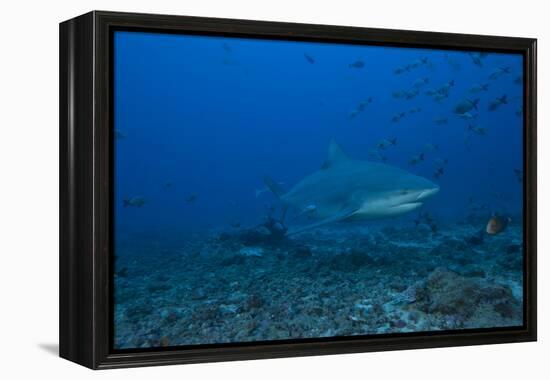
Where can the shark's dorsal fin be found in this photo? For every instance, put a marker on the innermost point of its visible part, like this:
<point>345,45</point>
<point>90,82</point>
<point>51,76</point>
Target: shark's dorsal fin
<point>335,155</point>
<point>335,152</point>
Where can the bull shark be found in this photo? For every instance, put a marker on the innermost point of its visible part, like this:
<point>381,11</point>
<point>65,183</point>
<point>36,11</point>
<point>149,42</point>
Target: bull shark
<point>347,189</point>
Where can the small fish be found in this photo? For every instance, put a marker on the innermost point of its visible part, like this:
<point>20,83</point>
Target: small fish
<point>353,114</point>
<point>119,135</point>
<point>418,220</point>
<point>168,184</point>
<point>416,159</point>
<point>191,198</point>
<point>443,91</point>
<point>426,218</point>
<point>497,224</point>
<point>421,82</point>
<point>499,71</point>
<point>496,103</point>
<point>362,105</point>
<point>446,87</point>
<point>395,118</point>
<point>441,161</point>
<point>415,110</point>
<point>309,58</point>
<point>441,120</point>
<point>227,48</point>
<point>518,80</point>
<point>519,111</point>
<point>411,94</point>
<point>375,155</point>
<point>467,115</point>
<point>477,88</point>
<point>398,94</point>
<point>430,147</point>
<point>466,105</point>
<point>431,92</point>
<point>383,144</point>
<point>357,65</point>
<point>498,195</point>
<point>476,58</point>
<point>400,70</point>
<point>519,175</point>
<point>452,62</point>
<point>134,202</point>
<point>423,217</point>
<point>438,172</point>
<point>477,130</point>
<point>418,62</point>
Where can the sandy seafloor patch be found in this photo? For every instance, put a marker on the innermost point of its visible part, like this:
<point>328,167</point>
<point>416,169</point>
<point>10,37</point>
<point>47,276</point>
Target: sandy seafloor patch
<point>323,283</point>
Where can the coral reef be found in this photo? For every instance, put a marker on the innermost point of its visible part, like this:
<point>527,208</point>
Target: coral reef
<point>234,286</point>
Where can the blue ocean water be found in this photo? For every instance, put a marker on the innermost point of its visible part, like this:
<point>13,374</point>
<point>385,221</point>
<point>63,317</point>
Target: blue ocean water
<point>201,120</point>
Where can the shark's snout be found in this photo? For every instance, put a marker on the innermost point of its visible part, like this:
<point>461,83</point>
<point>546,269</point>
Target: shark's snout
<point>424,194</point>
<point>414,199</point>
<point>403,202</point>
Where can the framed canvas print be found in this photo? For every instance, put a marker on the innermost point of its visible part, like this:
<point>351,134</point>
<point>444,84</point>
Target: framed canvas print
<point>237,189</point>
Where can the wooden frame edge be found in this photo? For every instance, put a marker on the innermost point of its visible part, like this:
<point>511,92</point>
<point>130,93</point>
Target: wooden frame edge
<point>85,187</point>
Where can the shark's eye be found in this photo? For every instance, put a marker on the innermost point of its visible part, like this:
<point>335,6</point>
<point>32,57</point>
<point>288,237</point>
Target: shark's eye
<point>404,192</point>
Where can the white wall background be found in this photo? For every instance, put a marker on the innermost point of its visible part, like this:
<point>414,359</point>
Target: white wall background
<point>29,187</point>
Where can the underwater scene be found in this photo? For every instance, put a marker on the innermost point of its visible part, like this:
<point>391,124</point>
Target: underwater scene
<point>272,190</point>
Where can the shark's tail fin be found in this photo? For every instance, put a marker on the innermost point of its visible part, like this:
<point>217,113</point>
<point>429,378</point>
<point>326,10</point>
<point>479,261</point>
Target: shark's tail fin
<point>274,187</point>
<point>279,192</point>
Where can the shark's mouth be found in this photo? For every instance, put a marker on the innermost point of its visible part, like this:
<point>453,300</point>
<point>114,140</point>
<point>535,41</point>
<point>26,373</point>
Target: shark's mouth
<point>411,204</point>
<point>407,206</point>
<point>413,201</point>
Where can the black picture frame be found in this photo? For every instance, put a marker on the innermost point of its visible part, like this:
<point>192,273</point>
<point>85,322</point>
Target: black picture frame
<point>86,188</point>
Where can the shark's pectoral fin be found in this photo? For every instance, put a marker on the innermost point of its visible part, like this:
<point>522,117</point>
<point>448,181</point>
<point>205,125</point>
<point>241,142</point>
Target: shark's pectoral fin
<point>342,215</point>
